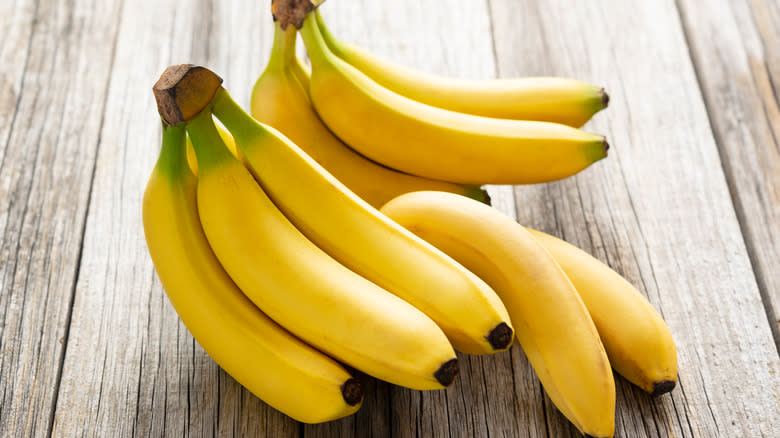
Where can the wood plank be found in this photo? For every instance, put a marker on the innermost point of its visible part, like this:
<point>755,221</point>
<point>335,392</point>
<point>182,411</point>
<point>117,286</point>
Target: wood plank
<point>493,395</point>
<point>51,101</point>
<point>131,367</point>
<point>657,210</point>
<point>16,20</point>
<point>735,47</point>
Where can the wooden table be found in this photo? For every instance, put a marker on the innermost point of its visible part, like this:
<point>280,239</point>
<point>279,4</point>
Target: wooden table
<point>687,207</point>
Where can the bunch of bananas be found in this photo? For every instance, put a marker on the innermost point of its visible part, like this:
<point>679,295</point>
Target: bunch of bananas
<point>269,243</point>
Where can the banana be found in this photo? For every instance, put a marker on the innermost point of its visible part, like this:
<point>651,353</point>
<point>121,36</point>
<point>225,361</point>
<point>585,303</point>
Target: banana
<point>551,99</point>
<point>267,360</point>
<point>422,140</point>
<point>638,341</point>
<point>364,240</point>
<point>553,325</point>
<point>279,99</point>
<point>302,288</point>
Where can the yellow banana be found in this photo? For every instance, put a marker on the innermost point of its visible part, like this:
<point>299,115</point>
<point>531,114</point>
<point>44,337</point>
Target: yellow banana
<point>638,341</point>
<point>550,99</point>
<point>553,325</point>
<point>271,363</point>
<point>279,100</point>
<point>423,140</point>
<point>302,288</point>
<point>364,240</point>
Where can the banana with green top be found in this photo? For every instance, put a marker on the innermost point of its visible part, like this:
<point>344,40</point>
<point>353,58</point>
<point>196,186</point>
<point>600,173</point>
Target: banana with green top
<point>424,140</point>
<point>262,356</point>
<point>543,98</point>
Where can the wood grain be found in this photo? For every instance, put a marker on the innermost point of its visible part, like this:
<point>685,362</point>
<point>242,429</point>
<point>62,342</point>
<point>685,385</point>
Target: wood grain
<point>51,103</point>
<point>735,47</point>
<point>657,210</point>
<point>132,368</point>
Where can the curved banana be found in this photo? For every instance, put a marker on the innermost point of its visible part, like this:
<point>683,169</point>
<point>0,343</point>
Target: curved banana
<point>364,240</point>
<point>638,341</point>
<point>551,99</point>
<point>301,287</point>
<point>279,100</point>
<point>422,140</point>
<point>553,325</point>
<point>271,363</point>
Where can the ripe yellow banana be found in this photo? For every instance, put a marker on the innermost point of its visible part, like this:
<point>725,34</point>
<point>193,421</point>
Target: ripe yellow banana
<point>279,100</point>
<point>553,325</point>
<point>364,240</point>
<point>550,99</point>
<point>301,287</point>
<point>271,363</point>
<point>638,341</point>
<point>423,140</point>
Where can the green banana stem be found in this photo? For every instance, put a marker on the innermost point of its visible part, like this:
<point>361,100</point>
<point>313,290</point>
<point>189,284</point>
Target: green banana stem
<point>242,126</point>
<point>283,49</point>
<point>331,41</point>
<point>312,39</point>
<point>210,149</point>
<point>172,161</point>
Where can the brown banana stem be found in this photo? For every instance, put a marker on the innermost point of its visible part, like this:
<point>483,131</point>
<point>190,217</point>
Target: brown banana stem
<point>183,91</point>
<point>293,12</point>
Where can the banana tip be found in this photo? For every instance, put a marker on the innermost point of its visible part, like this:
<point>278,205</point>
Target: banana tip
<point>486,197</point>
<point>605,145</point>
<point>604,98</point>
<point>352,392</point>
<point>663,387</point>
<point>501,336</point>
<point>447,372</point>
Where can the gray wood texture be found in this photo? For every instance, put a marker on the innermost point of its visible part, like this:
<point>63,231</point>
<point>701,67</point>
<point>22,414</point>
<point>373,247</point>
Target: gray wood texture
<point>56,62</point>
<point>685,206</point>
<point>735,47</point>
<point>131,367</point>
<point>658,210</point>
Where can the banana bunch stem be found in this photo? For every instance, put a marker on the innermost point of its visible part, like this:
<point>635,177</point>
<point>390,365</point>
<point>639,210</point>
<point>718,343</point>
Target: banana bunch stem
<point>283,48</point>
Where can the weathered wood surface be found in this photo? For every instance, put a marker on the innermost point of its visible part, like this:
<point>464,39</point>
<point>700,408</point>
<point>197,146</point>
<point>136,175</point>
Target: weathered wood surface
<point>55,68</point>
<point>658,209</point>
<point>735,47</point>
<point>132,368</point>
<point>91,346</point>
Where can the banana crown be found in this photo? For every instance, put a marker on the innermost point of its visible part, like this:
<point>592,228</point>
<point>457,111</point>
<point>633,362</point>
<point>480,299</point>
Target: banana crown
<point>183,91</point>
